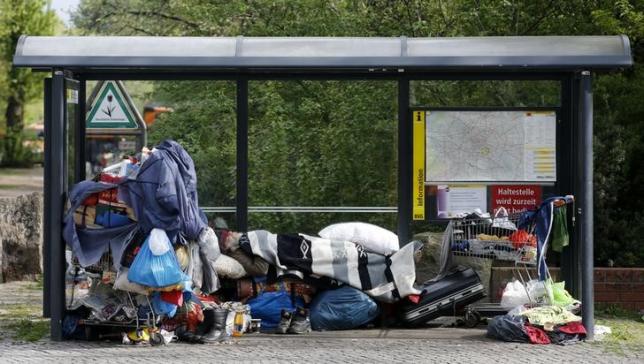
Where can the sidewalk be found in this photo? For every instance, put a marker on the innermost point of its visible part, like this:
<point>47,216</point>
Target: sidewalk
<point>22,300</point>
<point>19,181</point>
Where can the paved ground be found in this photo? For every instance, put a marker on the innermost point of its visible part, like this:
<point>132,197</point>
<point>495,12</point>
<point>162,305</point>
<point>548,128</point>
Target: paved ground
<point>435,344</point>
<point>15,182</point>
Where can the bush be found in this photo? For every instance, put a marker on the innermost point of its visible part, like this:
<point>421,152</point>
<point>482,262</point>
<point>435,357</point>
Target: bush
<point>17,151</point>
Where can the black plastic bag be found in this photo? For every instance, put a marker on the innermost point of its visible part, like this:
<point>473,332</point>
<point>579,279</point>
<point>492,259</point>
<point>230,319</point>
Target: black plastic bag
<point>508,328</point>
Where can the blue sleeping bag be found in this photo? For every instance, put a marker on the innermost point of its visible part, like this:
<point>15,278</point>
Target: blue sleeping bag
<point>344,308</point>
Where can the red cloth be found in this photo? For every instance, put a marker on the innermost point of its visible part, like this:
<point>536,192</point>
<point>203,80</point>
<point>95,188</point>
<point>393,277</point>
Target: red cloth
<point>174,297</point>
<point>573,328</point>
<point>536,335</point>
<point>91,200</point>
<point>106,177</point>
<point>110,195</point>
<point>414,298</point>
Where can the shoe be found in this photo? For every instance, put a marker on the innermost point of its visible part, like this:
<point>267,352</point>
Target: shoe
<point>301,323</point>
<point>285,322</point>
<point>217,332</point>
<point>184,335</point>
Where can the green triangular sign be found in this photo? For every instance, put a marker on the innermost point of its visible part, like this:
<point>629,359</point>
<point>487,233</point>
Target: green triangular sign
<point>110,110</point>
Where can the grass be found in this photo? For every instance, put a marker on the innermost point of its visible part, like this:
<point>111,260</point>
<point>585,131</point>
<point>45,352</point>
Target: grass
<point>38,285</point>
<point>9,187</point>
<point>28,330</point>
<point>627,328</point>
<point>19,311</point>
<point>22,322</point>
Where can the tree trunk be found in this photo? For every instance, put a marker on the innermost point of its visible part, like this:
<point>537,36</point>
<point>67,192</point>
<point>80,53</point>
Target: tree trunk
<point>14,115</point>
<point>15,123</point>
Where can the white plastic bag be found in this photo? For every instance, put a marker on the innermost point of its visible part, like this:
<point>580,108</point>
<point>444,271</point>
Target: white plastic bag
<point>514,295</point>
<point>537,291</point>
<point>159,242</point>
<point>502,220</point>
<point>209,244</point>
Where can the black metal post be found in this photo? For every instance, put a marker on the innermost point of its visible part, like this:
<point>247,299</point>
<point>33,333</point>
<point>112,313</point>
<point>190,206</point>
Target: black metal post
<point>405,150</point>
<point>242,155</point>
<point>566,176</point>
<point>578,236</point>
<point>79,137</point>
<point>46,247</point>
<point>56,186</point>
<point>586,203</point>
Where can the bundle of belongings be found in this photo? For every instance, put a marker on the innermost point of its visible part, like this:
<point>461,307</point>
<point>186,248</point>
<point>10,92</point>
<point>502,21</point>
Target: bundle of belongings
<point>538,325</point>
<point>541,311</point>
<point>147,268</point>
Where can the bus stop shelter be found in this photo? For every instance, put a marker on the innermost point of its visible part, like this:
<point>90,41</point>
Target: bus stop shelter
<point>73,61</point>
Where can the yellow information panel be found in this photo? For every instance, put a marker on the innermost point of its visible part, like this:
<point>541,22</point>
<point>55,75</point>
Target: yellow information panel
<point>419,166</point>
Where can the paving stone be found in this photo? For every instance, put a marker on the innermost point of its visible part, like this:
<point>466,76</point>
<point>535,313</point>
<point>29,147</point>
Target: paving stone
<point>435,344</point>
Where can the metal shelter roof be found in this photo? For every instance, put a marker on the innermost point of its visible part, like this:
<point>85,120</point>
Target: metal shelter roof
<point>239,53</point>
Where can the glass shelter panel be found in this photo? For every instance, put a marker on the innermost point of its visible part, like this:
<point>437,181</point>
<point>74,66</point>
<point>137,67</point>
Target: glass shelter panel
<point>200,115</point>
<point>313,144</point>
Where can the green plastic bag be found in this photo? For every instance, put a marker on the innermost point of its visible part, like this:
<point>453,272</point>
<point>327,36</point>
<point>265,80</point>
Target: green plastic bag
<point>558,295</point>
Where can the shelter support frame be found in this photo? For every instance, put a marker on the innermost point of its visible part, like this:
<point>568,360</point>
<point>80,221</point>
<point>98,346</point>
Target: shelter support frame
<point>574,159</point>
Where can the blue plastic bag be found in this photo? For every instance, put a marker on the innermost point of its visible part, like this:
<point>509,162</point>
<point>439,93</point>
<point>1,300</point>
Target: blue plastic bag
<point>156,264</point>
<point>268,307</point>
<point>162,307</point>
<point>342,309</point>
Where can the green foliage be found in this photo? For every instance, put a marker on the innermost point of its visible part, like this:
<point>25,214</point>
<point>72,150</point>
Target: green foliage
<point>19,85</point>
<point>14,152</point>
<point>334,143</point>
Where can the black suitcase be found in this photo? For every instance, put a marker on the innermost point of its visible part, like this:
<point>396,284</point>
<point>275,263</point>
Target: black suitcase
<point>444,297</point>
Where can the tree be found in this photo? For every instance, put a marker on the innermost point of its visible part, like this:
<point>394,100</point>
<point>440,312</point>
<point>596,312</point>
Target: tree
<point>331,122</point>
<point>18,17</point>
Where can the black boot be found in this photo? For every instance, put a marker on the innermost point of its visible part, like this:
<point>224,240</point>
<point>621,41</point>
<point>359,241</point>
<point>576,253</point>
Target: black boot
<point>218,331</point>
<point>184,335</point>
<point>208,322</point>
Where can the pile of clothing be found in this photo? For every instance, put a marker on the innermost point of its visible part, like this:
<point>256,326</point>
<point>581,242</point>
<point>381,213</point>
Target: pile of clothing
<point>539,325</point>
<point>144,256</point>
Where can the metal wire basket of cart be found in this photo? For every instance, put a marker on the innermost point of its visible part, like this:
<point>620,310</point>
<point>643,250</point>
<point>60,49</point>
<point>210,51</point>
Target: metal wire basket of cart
<point>119,311</point>
<point>497,237</point>
<point>505,237</point>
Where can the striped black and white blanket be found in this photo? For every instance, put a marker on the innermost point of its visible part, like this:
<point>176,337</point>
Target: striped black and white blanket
<point>385,278</point>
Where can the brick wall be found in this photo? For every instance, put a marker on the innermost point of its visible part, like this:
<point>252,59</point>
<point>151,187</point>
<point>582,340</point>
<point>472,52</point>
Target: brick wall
<point>620,286</point>
<point>623,287</point>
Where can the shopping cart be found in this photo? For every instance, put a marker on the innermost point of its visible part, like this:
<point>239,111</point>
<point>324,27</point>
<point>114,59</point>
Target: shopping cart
<point>505,237</point>
<point>501,237</point>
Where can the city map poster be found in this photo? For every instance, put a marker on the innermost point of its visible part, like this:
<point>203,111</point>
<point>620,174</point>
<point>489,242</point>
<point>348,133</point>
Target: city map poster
<point>490,146</point>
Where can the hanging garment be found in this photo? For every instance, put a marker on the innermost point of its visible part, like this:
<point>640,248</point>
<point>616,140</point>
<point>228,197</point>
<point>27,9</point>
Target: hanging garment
<point>386,278</point>
<point>164,193</point>
<point>560,237</point>
<point>89,244</point>
<point>543,218</point>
